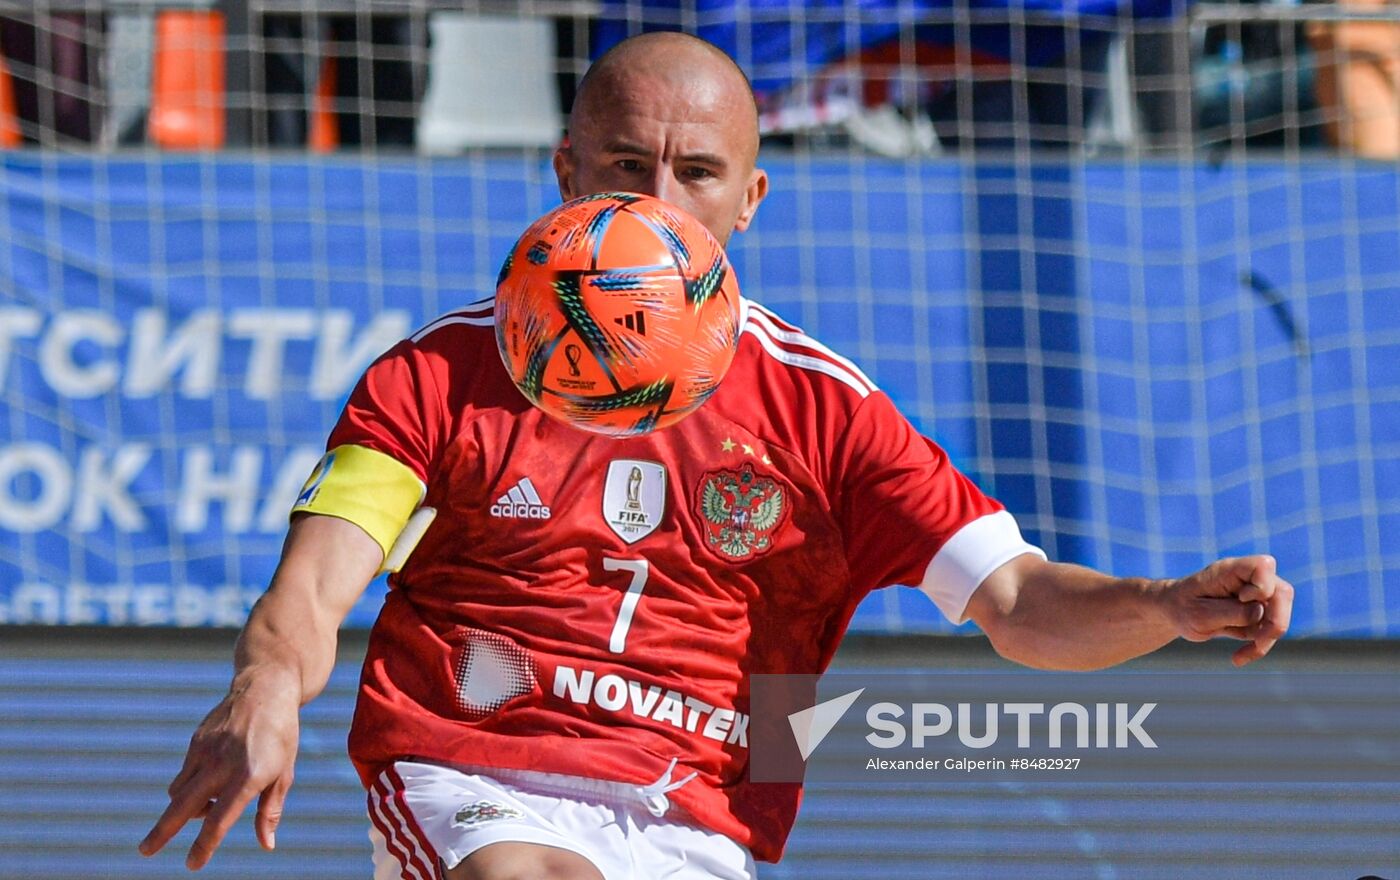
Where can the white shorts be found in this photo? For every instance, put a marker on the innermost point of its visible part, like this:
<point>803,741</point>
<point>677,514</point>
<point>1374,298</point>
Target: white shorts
<point>425,818</point>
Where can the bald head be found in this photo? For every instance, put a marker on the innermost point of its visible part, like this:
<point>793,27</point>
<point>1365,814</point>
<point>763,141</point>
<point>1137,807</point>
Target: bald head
<point>670,116</point>
<point>686,67</point>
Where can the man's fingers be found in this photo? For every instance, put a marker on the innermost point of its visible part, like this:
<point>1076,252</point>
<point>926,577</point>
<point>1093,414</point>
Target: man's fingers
<point>166,827</point>
<point>1279,609</point>
<point>1212,617</point>
<point>1247,578</point>
<point>1245,655</point>
<point>186,803</point>
<point>1264,574</point>
<point>222,816</point>
<point>1278,614</point>
<point>1242,598</point>
<point>1253,651</point>
<point>187,772</point>
<point>233,757</point>
<point>1253,592</point>
<point>270,806</point>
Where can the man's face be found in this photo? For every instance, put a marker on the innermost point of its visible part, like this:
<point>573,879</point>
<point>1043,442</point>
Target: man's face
<point>686,143</point>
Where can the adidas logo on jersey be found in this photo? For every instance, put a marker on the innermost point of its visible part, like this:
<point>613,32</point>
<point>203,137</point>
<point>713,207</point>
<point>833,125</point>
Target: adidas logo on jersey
<point>521,502</point>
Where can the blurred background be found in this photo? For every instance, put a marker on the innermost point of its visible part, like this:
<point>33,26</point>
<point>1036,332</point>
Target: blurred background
<point>1134,263</point>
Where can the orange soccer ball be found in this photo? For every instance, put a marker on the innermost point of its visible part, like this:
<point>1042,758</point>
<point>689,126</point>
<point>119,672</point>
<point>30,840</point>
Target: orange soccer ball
<point>617,313</point>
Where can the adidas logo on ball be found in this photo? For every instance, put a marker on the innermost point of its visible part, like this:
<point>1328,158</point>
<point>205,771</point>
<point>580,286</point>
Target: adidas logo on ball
<point>521,502</point>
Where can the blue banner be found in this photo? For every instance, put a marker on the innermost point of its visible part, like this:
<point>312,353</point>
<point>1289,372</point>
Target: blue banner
<point>1151,366</point>
<point>779,43</point>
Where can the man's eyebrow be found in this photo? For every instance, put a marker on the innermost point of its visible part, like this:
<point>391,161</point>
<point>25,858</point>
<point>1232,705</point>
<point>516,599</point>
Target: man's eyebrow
<point>620,146</point>
<point>705,159</point>
<point>634,149</point>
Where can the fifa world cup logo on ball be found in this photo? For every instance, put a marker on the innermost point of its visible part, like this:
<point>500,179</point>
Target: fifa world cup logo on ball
<point>634,489</point>
<point>572,353</point>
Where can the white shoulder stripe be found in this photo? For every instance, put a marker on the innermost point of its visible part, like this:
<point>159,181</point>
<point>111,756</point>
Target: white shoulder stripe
<point>476,319</point>
<point>806,362</point>
<point>825,361</point>
<point>767,319</point>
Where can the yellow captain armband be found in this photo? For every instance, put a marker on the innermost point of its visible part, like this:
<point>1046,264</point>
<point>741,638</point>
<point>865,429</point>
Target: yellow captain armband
<point>371,490</point>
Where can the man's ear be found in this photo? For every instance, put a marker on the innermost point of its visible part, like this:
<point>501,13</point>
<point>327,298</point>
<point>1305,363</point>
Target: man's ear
<point>564,169</point>
<point>753,194</point>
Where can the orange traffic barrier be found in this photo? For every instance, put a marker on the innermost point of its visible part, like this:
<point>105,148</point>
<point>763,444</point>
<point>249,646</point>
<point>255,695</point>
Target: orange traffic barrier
<point>323,136</point>
<point>187,81</point>
<point>10,134</point>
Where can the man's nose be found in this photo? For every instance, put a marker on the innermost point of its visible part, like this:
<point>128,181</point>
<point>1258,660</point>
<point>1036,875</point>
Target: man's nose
<point>662,184</point>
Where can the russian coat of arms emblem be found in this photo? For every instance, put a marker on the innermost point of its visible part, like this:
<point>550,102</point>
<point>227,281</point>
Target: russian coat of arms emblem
<point>480,812</point>
<point>740,511</point>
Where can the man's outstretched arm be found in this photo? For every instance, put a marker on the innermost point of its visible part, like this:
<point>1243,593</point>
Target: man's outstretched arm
<point>1054,616</point>
<point>247,745</point>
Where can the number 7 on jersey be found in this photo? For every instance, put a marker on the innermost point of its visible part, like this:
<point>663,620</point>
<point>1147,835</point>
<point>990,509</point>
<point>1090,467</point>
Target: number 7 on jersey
<point>639,568</point>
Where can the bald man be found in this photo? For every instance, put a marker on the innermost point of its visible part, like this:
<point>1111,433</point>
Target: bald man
<point>513,720</point>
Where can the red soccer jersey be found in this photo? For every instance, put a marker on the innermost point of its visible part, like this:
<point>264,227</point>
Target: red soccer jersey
<point>594,607</point>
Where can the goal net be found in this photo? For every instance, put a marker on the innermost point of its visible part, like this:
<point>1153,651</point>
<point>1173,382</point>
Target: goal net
<point>1133,264</point>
